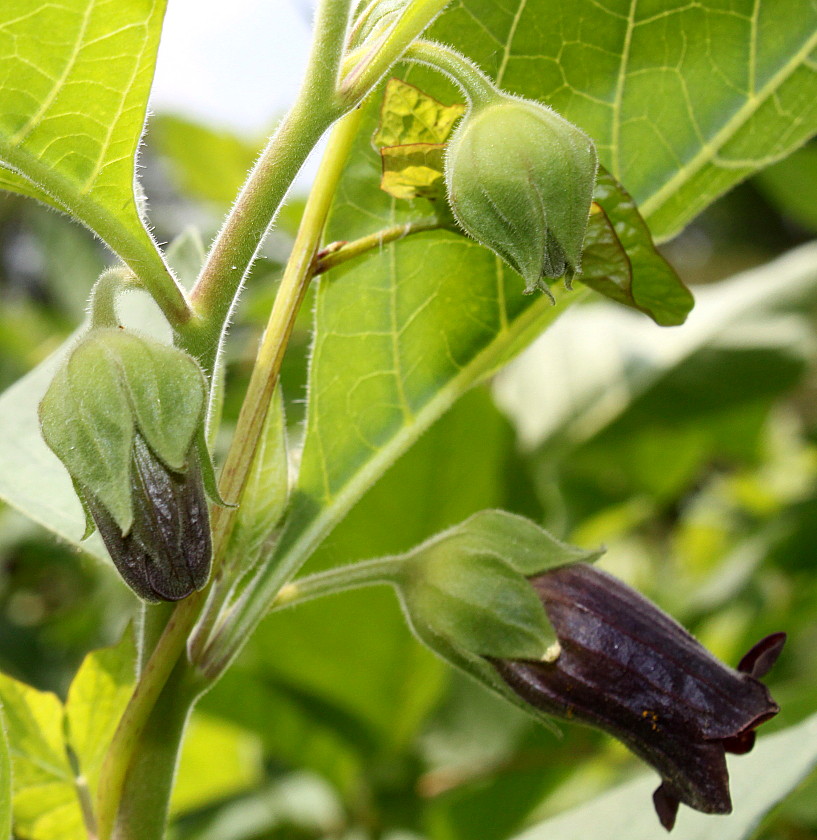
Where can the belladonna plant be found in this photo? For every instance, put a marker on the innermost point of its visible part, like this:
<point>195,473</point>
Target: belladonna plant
<point>626,667</point>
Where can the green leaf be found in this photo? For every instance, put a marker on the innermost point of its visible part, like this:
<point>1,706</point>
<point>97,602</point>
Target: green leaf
<point>674,120</point>
<point>96,699</point>
<point>621,262</point>
<point>73,109</point>
<point>57,751</point>
<point>413,171</point>
<point>409,116</point>
<point>45,800</point>
<point>5,780</point>
<point>758,781</point>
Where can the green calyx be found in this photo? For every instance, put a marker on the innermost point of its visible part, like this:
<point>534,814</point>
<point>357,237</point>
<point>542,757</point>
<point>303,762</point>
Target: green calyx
<point>476,602</point>
<point>115,385</point>
<point>520,180</point>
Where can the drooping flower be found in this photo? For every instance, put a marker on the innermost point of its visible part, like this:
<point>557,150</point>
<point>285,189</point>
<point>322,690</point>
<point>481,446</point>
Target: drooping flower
<point>629,669</point>
<point>124,414</point>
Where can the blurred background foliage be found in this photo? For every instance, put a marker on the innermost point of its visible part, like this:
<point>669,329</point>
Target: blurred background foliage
<point>700,478</point>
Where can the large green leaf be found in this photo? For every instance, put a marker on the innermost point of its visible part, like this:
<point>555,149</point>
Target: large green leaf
<point>334,701</point>
<point>759,781</point>
<point>403,333</point>
<point>682,99</point>
<point>384,675</point>
<point>74,83</point>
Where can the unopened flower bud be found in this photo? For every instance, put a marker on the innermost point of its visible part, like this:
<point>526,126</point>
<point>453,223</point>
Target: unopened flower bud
<point>626,667</point>
<point>124,414</point>
<point>520,181</point>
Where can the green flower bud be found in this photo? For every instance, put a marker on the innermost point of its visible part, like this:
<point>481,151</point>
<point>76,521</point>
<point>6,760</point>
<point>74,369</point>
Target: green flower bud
<point>124,415</point>
<point>520,181</point>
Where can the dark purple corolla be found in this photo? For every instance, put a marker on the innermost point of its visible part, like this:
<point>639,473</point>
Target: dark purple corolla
<point>629,669</point>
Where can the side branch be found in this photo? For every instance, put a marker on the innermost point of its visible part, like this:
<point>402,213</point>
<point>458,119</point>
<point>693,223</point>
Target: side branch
<point>338,253</point>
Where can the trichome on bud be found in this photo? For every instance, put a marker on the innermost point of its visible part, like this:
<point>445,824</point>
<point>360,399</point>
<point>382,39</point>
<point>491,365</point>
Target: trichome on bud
<point>626,667</point>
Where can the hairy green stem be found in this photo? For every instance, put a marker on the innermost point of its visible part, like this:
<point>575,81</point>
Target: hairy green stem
<point>152,680</point>
<point>297,276</point>
<point>340,252</point>
<point>383,570</point>
<point>477,87</point>
<point>102,306</point>
<point>236,246</point>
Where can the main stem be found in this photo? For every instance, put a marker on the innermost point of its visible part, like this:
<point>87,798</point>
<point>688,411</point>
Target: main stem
<point>145,805</point>
<point>297,275</point>
<point>318,106</point>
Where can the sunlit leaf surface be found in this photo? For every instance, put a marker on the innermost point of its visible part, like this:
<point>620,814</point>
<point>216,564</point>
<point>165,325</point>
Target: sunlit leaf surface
<point>74,83</point>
